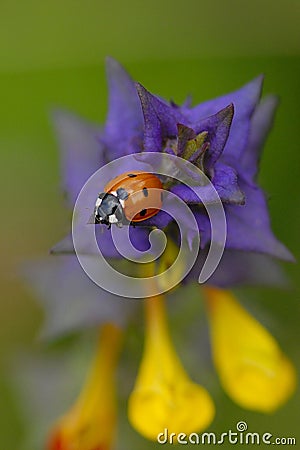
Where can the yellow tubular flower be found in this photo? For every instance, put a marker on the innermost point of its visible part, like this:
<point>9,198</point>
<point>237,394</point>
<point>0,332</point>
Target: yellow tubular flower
<point>164,396</point>
<point>164,263</point>
<point>253,370</point>
<point>90,424</point>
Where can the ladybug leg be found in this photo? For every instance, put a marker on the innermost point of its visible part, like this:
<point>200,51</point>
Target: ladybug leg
<point>119,213</point>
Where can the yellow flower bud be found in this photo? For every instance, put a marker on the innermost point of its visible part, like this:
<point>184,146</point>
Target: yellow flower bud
<point>252,368</point>
<point>164,396</point>
<point>90,423</point>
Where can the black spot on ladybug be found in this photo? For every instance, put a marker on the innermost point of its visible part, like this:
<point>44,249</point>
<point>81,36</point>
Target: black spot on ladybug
<point>143,212</point>
<point>146,193</point>
<point>131,175</point>
<point>122,194</point>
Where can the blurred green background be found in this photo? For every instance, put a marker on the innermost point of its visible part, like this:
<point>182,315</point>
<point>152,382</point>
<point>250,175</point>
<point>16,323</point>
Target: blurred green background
<point>52,54</point>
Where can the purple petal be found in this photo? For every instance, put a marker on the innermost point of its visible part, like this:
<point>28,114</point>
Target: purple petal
<point>203,223</point>
<point>161,220</point>
<point>63,246</point>
<point>242,98</point>
<point>218,127</point>
<point>177,212</point>
<point>104,241</point>
<point>81,151</point>
<point>199,194</point>
<point>125,116</point>
<point>245,101</point>
<point>239,268</point>
<point>185,193</point>
<point>160,120</point>
<point>225,180</point>
<point>249,228</point>
<point>261,123</point>
<point>138,237</point>
<point>72,301</point>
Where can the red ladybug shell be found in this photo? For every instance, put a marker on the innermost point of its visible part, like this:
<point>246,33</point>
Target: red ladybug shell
<point>144,194</point>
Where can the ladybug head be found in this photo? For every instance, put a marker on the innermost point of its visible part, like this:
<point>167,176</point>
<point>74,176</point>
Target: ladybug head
<point>109,209</point>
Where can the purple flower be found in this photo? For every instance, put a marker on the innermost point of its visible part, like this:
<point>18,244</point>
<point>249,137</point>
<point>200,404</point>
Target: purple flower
<point>224,137</point>
<point>232,130</point>
<point>71,301</point>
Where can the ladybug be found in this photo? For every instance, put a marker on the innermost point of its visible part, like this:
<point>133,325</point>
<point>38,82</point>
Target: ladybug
<point>130,197</point>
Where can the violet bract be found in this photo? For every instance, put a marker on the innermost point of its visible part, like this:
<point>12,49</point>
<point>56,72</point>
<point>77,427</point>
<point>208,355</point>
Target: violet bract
<point>235,127</point>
